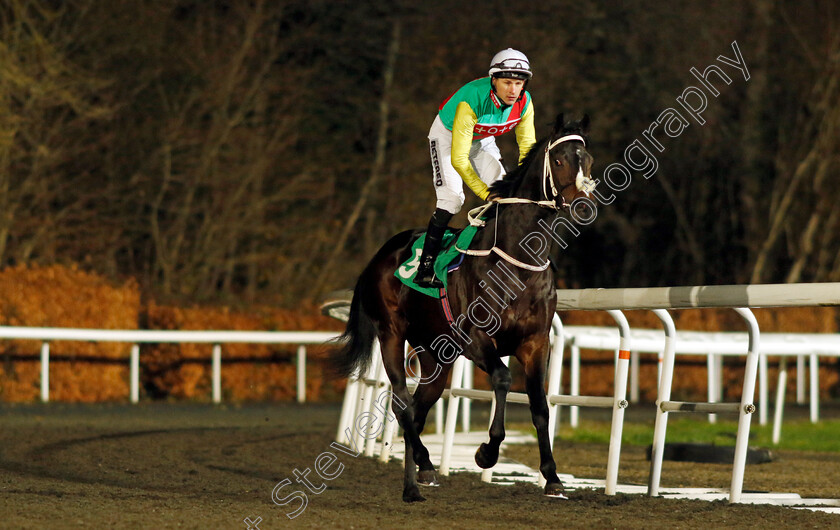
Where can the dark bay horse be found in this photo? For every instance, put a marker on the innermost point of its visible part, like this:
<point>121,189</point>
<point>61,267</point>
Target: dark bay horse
<point>501,304</point>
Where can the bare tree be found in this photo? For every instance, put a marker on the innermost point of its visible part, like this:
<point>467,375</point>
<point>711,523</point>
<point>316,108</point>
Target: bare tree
<point>47,104</point>
<point>804,192</point>
<point>223,135</point>
<point>378,162</point>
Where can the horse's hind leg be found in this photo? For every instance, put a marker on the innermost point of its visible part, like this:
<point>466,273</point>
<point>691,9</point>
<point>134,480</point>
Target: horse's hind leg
<point>532,355</point>
<point>393,357</point>
<point>488,453</point>
<point>429,390</point>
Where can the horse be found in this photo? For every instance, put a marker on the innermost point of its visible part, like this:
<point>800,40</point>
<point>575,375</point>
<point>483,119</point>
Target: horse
<point>516,322</point>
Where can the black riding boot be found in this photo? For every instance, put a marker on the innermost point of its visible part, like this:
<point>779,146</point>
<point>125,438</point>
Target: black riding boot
<point>425,276</point>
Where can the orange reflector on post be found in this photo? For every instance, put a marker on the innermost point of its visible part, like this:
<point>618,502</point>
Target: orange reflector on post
<point>624,354</point>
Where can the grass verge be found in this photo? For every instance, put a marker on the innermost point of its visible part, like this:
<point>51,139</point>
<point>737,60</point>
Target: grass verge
<point>801,435</point>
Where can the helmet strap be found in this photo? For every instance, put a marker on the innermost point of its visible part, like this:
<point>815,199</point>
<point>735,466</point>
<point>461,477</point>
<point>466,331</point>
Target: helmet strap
<point>524,88</point>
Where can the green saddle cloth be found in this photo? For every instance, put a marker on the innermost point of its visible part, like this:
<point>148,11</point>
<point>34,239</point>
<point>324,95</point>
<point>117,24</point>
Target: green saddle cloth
<point>408,269</point>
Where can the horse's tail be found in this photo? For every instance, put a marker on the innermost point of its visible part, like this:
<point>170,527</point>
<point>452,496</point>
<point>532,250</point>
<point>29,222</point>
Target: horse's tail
<point>358,337</point>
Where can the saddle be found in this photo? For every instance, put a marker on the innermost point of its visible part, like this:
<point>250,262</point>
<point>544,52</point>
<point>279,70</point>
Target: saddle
<point>448,259</point>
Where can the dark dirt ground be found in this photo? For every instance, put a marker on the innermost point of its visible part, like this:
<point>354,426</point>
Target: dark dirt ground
<point>162,465</point>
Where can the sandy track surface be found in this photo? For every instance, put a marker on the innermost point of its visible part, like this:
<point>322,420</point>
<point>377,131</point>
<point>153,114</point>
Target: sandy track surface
<point>166,465</point>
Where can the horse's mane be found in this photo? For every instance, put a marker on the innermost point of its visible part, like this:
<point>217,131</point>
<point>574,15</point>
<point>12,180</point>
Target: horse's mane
<point>508,186</point>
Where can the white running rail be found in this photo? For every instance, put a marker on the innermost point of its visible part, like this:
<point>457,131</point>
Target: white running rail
<point>738,297</point>
<point>141,336</point>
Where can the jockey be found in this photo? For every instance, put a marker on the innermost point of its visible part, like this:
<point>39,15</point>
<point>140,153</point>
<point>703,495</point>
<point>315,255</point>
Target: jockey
<point>463,147</point>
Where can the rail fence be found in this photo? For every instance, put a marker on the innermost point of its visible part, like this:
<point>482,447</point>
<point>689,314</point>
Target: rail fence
<point>740,298</point>
<point>138,337</point>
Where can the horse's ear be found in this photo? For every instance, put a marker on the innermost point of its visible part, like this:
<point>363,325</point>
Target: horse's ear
<point>584,124</point>
<point>559,123</point>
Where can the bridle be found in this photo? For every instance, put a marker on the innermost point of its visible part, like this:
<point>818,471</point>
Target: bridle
<point>583,183</point>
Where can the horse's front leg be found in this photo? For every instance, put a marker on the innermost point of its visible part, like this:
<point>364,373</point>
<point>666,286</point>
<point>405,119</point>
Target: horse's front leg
<point>532,356</point>
<point>488,453</point>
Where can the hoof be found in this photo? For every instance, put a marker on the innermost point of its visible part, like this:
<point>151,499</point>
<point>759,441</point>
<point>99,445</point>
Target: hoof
<point>427,478</point>
<point>485,457</point>
<point>555,491</point>
<point>413,495</point>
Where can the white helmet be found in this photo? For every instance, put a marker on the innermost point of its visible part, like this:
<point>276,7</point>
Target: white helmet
<point>510,63</point>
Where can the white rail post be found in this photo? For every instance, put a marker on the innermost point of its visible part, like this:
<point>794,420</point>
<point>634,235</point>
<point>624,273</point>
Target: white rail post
<point>815,388</point>
<point>763,400</point>
<point>634,377</point>
<point>780,400</point>
<point>301,374</point>
<point>217,373</point>
<point>380,382</point>
<point>712,383</point>
<point>451,416</point>
<point>747,405</point>
<point>555,383</point>
<point>659,359</point>
<point>663,394</point>
<point>555,377</point>
<point>800,379</point>
<point>366,393</point>
<point>45,372</point>
<point>469,374</point>
<point>620,402</point>
<point>574,383</point>
<point>348,408</point>
<point>439,416</point>
<point>134,376</point>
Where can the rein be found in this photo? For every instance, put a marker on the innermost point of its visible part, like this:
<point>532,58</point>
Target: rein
<point>507,257</point>
<point>473,216</point>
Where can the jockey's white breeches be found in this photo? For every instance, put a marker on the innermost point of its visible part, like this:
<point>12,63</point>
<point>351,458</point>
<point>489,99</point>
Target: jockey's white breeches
<point>449,186</point>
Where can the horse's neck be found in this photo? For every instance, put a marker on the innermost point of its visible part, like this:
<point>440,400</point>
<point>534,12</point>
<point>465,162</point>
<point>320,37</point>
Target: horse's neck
<point>521,217</point>
<point>518,220</point>
<point>531,186</point>
<point>517,230</point>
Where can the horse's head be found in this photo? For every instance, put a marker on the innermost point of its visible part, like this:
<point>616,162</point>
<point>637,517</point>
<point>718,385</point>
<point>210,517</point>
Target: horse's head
<point>567,163</point>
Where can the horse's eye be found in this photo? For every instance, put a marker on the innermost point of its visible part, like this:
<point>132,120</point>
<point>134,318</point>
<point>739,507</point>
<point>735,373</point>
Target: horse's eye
<point>558,162</point>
